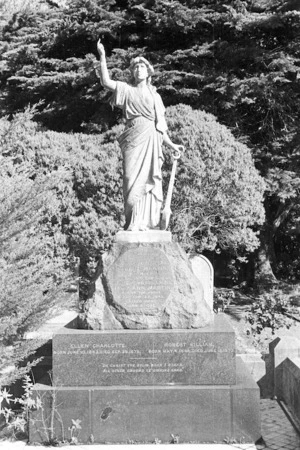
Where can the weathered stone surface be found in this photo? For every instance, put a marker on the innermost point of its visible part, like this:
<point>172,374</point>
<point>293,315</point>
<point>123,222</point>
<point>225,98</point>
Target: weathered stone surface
<point>145,413</point>
<point>245,404</point>
<point>141,280</point>
<point>97,313</point>
<point>145,357</point>
<point>204,271</point>
<point>255,364</point>
<point>147,286</point>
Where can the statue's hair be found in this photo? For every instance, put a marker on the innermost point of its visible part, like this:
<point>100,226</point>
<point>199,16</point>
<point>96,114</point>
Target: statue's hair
<point>141,59</point>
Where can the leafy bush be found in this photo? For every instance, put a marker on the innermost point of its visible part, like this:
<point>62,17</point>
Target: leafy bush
<point>268,312</point>
<point>219,193</point>
<point>34,265</point>
<point>79,177</point>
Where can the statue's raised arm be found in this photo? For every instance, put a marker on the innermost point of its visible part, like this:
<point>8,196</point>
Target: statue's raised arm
<point>141,142</point>
<point>105,79</point>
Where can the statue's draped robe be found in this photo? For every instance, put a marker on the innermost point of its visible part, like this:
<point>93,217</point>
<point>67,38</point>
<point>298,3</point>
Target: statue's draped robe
<point>141,145</point>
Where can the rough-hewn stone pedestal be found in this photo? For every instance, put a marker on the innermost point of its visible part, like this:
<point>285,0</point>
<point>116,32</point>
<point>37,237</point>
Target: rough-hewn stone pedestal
<point>145,285</point>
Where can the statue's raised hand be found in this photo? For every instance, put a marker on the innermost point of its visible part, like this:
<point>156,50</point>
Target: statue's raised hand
<point>100,48</point>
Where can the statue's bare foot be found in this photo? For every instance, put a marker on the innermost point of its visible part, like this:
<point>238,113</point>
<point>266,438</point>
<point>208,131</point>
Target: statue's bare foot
<point>137,228</point>
<point>143,228</point>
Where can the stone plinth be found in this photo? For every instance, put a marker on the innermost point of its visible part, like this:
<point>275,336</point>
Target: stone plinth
<point>147,357</point>
<point>149,236</point>
<point>143,414</point>
<point>143,285</point>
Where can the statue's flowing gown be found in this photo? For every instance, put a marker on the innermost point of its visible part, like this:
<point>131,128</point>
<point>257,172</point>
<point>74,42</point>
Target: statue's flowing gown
<point>141,145</point>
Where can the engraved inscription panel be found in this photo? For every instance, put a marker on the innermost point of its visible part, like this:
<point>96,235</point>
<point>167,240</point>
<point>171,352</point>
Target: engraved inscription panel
<point>152,357</point>
<point>141,280</point>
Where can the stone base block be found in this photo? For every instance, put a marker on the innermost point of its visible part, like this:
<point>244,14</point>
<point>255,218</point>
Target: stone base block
<point>142,414</point>
<point>145,357</point>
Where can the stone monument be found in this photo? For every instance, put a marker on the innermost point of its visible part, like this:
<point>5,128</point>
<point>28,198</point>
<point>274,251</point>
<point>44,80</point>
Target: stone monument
<point>155,361</point>
<point>148,360</point>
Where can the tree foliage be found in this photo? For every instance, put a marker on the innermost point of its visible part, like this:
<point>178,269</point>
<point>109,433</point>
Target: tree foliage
<point>218,195</point>
<point>238,60</point>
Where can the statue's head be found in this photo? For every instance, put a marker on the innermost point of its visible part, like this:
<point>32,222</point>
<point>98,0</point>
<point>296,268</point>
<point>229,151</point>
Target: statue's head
<point>140,68</point>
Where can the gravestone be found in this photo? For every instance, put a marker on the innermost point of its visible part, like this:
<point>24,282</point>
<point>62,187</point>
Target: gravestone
<point>148,359</point>
<point>203,270</point>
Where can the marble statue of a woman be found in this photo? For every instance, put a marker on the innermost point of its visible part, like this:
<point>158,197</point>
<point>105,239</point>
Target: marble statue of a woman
<point>141,142</point>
